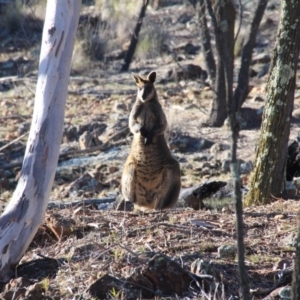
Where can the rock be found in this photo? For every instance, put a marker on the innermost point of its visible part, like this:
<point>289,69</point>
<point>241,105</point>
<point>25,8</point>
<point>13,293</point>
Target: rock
<point>60,226</point>
<point>285,293</point>
<point>39,269</point>
<point>85,183</point>
<point>70,134</point>
<point>261,58</point>
<point>258,99</point>
<point>263,71</point>
<point>225,167</point>
<point>228,190</point>
<point>103,287</point>
<point>293,161</point>
<point>4,182</point>
<point>217,148</point>
<point>167,275</point>
<point>142,284</point>
<point>246,167</point>
<point>191,200</point>
<point>187,48</point>
<point>282,293</point>
<point>94,127</point>
<point>189,144</point>
<point>193,197</point>
<point>185,72</point>
<point>226,251</point>
<point>290,188</point>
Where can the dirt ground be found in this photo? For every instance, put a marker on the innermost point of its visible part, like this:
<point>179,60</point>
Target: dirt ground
<point>83,250</point>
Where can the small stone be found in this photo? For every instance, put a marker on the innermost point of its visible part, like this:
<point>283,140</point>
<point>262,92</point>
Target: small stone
<point>226,251</point>
<point>261,58</point>
<point>112,169</point>
<point>246,167</point>
<point>285,293</point>
<point>290,188</point>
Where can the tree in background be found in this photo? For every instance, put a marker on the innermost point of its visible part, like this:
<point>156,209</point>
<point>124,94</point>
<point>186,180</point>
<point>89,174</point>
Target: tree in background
<point>215,69</point>
<point>25,211</point>
<point>269,172</point>
<point>223,18</point>
<point>134,39</point>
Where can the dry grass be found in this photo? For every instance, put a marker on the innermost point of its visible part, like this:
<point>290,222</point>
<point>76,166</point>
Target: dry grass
<point>117,243</point>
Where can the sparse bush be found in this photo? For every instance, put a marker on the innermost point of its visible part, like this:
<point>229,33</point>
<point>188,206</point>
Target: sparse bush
<point>12,16</point>
<point>151,42</point>
<point>109,32</point>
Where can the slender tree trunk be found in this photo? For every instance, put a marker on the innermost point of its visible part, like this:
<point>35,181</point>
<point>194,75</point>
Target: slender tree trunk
<point>223,22</point>
<point>25,211</point>
<point>225,14</point>
<point>205,40</point>
<point>268,175</point>
<point>134,39</point>
<point>242,89</point>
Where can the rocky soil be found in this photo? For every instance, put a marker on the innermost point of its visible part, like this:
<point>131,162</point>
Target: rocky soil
<point>86,247</point>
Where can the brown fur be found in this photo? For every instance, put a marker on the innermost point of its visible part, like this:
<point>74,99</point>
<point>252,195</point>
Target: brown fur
<point>151,176</point>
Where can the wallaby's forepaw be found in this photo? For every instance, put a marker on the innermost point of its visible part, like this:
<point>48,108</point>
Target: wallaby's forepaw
<point>144,132</point>
<point>148,139</point>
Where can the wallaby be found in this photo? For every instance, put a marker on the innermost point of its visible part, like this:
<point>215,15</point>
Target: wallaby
<point>151,176</point>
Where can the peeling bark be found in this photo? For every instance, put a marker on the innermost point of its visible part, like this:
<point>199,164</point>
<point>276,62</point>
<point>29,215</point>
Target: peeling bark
<point>26,210</point>
<point>268,175</point>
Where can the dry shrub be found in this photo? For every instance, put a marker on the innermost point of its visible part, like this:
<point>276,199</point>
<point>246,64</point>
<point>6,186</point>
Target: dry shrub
<point>152,41</point>
<point>116,21</point>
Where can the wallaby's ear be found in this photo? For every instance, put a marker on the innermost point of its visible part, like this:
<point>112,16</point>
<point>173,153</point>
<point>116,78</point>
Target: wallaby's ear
<point>137,78</point>
<point>152,76</point>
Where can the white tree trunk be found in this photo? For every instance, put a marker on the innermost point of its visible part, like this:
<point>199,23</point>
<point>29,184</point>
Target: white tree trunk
<point>25,212</point>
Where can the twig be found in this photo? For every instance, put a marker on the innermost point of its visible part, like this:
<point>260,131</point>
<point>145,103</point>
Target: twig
<point>14,141</point>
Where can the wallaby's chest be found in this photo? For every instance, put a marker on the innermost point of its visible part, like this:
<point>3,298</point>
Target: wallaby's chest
<point>148,114</point>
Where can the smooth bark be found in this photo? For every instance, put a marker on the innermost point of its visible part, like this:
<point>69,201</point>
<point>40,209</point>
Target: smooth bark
<point>25,211</point>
